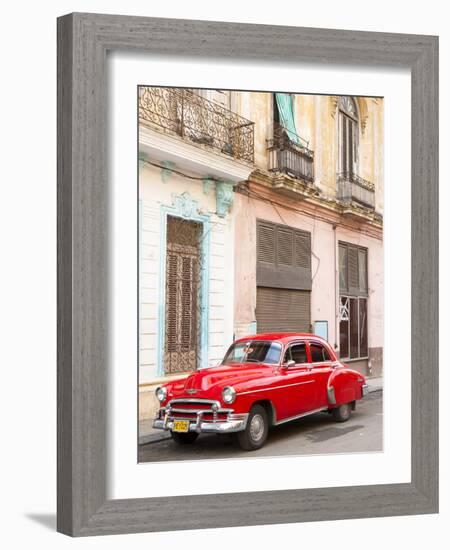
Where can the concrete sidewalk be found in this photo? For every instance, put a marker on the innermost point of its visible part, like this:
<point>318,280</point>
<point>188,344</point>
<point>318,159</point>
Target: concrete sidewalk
<point>375,384</point>
<point>148,435</point>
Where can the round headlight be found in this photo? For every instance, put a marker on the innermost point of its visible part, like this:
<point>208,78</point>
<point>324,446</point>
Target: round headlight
<point>228,395</point>
<point>161,394</point>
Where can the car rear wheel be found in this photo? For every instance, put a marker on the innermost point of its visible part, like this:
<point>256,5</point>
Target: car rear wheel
<point>184,438</point>
<point>255,434</point>
<point>342,413</point>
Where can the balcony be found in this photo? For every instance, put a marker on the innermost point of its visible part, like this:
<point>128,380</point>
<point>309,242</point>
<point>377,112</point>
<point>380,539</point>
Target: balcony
<point>354,189</point>
<point>290,156</point>
<point>198,120</point>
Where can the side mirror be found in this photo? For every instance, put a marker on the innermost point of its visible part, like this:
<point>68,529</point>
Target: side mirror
<point>290,364</point>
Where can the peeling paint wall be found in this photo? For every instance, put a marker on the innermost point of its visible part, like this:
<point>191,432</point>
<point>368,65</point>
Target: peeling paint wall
<point>316,119</point>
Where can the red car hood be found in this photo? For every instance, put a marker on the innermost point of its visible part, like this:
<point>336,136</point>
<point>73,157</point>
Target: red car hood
<point>210,382</point>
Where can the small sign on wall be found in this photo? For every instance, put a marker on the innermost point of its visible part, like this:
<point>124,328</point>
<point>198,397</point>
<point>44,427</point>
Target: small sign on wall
<point>321,329</point>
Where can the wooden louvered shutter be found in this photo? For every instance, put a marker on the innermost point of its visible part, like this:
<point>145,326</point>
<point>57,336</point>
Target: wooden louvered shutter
<point>353,278</point>
<point>353,274</point>
<point>283,257</point>
<point>350,146</point>
<point>171,301</point>
<point>285,246</point>
<point>348,143</point>
<point>344,164</point>
<point>302,250</point>
<point>343,271</point>
<point>188,304</point>
<point>362,271</point>
<point>266,244</point>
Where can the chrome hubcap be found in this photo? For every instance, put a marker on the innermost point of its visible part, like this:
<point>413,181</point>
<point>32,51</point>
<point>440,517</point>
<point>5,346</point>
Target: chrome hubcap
<point>345,411</point>
<point>257,427</point>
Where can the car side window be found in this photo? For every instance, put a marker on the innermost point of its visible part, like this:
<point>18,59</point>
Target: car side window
<point>287,355</point>
<point>298,353</point>
<point>319,354</point>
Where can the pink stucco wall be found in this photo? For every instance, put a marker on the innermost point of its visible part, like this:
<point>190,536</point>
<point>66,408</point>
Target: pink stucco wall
<point>325,290</point>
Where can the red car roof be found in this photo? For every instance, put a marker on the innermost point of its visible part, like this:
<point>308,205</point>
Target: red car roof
<point>280,336</point>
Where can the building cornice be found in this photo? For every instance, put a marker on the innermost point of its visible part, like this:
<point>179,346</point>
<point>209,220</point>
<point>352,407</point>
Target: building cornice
<point>307,199</point>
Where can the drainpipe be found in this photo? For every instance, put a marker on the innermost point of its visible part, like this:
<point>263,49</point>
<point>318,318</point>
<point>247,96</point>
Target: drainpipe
<point>336,317</point>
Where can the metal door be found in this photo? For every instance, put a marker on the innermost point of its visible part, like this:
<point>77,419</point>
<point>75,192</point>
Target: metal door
<point>283,310</point>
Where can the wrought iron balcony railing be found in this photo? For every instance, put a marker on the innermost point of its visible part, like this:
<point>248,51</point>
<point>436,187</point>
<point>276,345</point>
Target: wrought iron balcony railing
<point>290,155</point>
<point>353,188</point>
<point>197,119</point>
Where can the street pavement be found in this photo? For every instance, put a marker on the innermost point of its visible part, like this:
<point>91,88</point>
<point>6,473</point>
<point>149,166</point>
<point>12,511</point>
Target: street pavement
<point>315,434</point>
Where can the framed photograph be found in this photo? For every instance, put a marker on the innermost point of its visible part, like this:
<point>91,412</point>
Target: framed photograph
<point>247,274</point>
<point>247,236</point>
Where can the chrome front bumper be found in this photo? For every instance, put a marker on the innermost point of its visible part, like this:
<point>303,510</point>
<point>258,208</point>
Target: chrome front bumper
<point>225,426</point>
<point>365,389</point>
<point>232,423</point>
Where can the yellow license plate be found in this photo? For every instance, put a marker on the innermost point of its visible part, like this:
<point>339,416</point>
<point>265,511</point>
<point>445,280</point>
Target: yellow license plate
<point>181,426</point>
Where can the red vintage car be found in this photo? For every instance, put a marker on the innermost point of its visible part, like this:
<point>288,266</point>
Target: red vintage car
<point>263,380</point>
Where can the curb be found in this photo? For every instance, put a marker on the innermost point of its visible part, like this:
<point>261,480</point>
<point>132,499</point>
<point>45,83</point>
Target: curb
<point>153,438</point>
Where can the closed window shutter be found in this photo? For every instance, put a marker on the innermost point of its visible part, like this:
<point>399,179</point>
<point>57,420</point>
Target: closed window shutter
<point>353,274</point>
<point>283,257</point>
<point>348,138</point>
<point>344,143</point>
<point>181,299</point>
<point>171,289</point>
<point>350,146</point>
<point>362,270</point>
<point>284,246</point>
<point>343,272</point>
<point>266,244</point>
<point>302,250</point>
<point>188,304</point>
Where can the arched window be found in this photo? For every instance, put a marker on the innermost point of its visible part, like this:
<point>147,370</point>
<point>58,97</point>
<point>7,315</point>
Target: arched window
<point>348,135</point>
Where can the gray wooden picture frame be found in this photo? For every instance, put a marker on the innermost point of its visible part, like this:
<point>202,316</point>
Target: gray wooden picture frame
<point>83,42</point>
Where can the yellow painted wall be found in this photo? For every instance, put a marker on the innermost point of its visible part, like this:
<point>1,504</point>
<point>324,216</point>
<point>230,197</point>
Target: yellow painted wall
<point>317,122</point>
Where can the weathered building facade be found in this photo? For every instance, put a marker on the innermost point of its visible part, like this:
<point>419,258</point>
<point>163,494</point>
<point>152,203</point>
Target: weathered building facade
<point>258,212</point>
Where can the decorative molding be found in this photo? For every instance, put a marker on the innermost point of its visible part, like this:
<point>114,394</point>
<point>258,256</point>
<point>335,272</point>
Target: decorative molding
<point>143,159</point>
<point>224,197</point>
<point>208,184</point>
<point>362,108</point>
<point>166,172</point>
<point>185,205</point>
<point>198,159</point>
<point>334,99</point>
<point>363,113</point>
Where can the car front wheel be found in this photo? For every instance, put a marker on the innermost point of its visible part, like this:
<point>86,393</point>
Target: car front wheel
<point>184,438</point>
<point>255,434</point>
<point>342,413</point>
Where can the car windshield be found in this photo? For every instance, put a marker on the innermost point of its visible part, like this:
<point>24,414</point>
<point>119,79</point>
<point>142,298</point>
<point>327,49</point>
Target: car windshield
<point>253,351</point>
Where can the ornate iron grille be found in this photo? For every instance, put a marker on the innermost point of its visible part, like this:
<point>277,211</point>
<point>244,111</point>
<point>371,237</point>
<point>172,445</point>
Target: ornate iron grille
<point>183,295</point>
<point>352,187</point>
<point>289,157</point>
<point>197,119</point>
